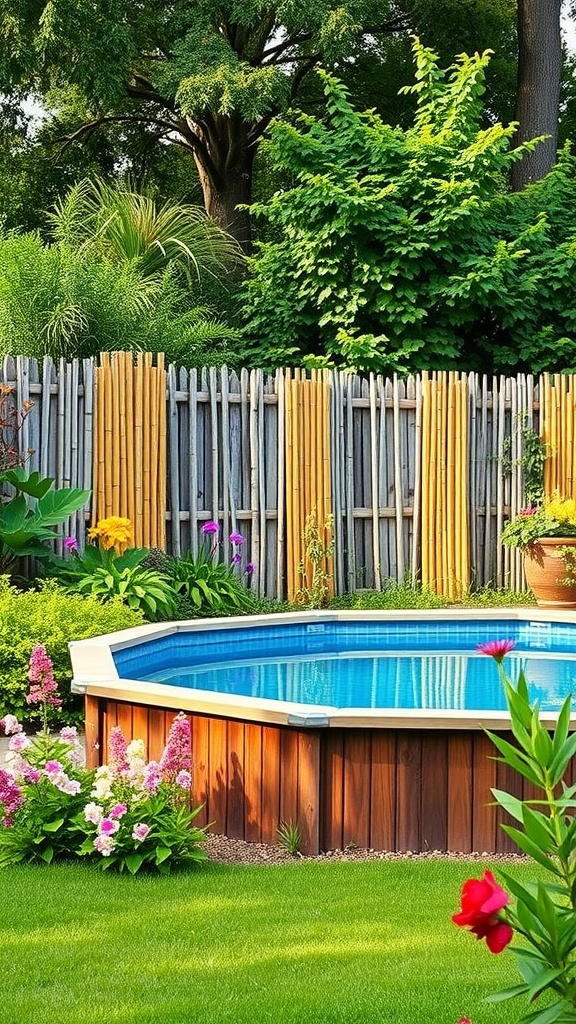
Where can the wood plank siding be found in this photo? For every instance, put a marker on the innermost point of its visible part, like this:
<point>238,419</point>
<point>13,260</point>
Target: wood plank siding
<point>385,789</point>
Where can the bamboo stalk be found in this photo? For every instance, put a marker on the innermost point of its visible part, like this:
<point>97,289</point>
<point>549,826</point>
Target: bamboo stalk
<point>398,496</point>
<point>290,503</point>
<point>138,452</point>
<point>452,481</point>
<point>327,468</point>
<point>374,486</point>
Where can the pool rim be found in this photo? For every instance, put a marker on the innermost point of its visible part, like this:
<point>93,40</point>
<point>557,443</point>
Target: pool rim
<point>95,674</point>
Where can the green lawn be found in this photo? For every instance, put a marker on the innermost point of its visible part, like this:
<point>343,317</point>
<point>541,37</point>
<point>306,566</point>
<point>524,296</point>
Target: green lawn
<point>356,943</point>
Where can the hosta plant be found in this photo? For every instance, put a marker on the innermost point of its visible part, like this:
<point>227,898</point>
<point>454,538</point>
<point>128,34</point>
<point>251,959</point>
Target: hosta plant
<point>208,585</point>
<point>109,570</point>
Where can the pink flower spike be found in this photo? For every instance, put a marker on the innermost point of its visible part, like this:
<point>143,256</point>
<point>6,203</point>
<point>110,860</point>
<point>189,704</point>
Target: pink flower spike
<point>497,649</point>
<point>177,755</point>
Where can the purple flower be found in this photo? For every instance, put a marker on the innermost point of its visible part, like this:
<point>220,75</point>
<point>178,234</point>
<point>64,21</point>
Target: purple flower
<point>140,832</point>
<point>53,767</point>
<point>183,779</point>
<point>250,567</point>
<point>117,811</point>
<point>236,559</point>
<point>152,777</point>
<point>236,538</point>
<point>11,797</point>
<point>210,527</point>
<point>32,775</point>
<point>70,544</point>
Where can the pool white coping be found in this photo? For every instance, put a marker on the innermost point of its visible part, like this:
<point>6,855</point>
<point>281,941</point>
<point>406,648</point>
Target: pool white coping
<point>95,674</point>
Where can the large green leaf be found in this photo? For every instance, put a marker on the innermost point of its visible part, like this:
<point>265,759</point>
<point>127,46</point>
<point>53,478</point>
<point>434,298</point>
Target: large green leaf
<point>55,506</point>
<point>29,483</point>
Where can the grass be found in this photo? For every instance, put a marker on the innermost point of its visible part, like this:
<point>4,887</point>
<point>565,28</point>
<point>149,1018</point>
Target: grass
<point>313,942</point>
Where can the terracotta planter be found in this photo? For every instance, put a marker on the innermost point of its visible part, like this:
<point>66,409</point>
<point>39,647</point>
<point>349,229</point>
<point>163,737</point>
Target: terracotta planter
<point>545,569</point>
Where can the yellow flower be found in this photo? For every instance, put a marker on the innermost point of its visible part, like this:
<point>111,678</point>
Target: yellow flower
<point>113,532</point>
<point>561,509</point>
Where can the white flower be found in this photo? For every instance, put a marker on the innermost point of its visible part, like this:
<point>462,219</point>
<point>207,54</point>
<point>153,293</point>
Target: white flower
<point>102,789</point>
<point>93,813</point>
<point>136,750</point>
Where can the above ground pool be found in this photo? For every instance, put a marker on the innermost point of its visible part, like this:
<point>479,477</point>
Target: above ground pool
<point>364,728</point>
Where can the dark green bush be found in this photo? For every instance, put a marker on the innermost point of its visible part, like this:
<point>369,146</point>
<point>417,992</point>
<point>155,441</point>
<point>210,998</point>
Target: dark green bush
<point>50,617</point>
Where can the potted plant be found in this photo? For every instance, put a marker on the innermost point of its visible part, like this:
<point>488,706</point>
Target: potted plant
<point>547,536</point>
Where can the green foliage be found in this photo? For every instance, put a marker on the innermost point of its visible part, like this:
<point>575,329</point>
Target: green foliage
<point>108,575</point>
<point>130,228</point>
<point>208,587</point>
<point>401,250</point>
<point>74,302</point>
<point>408,594</point>
<point>545,830</point>
<point>125,815</point>
<point>497,597</point>
<point>50,617</point>
<point>535,451</point>
<point>28,518</point>
<point>289,837</point>
<point>42,828</point>
<point>555,517</point>
<point>318,544</point>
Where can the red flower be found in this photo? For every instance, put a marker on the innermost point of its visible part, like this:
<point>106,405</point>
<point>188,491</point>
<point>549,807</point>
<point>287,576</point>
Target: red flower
<point>481,899</point>
<point>497,649</point>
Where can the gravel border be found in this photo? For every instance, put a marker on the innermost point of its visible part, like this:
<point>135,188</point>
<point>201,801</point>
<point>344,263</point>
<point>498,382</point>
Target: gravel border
<point>222,850</point>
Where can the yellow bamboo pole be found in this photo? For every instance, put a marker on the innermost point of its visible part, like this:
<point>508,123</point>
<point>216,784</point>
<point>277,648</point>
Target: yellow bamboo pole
<point>288,443</point>
<point>129,426</point>
<point>570,440</point>
<point>114,420</point>
<point>162,453</point>
<point>138,452</point>
<point>544,427</point>
<point>327,470</point>
<point>153,377</point>
<point>99,450</point>
<point>424,496</point>
<point>451,484</point>
<point>108,435</point>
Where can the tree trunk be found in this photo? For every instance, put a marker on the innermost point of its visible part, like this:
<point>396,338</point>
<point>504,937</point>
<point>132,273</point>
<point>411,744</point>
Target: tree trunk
<point>226,183</point>
<point>538,96</point>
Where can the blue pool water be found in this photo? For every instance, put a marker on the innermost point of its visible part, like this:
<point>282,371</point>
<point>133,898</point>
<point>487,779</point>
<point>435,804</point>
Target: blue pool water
<point>404,664</point>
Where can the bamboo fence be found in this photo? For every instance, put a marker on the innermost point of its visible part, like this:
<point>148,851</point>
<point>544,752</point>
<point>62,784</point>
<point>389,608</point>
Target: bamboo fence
<point>420,474</point>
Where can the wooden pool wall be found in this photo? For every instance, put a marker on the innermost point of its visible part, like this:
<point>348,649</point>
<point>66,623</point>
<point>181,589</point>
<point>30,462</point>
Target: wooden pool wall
<point>385,789</point>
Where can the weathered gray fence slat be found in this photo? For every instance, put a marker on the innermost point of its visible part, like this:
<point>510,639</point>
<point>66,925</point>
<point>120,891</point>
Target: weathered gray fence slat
<point>226,461</point>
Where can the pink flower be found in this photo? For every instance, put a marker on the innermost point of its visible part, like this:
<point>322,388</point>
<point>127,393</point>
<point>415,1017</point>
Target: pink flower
<point>19,742</point>
<point>10,724</point>
<point>70,786</point>
<point>497,649</point>
<point>107,827</point>
<point>210,527</point>
<point>184,780</point>
<point>117,811</point>
<point>69,734</point>
<point>463,1020</point>
<point>32,775</point>
<point>117,745</point>
<point>528,511</point>
<point>11,797</point>
<point>53,767</point>
<point>140,832</point>
<point>41,675</point>
<point>70,544</point>
<point>177,756</point>
<point>104,844</point>
<point>236,538</point>
<point>152,777</point>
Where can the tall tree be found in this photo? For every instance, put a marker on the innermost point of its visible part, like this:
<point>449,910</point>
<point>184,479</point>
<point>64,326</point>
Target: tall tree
<point>206,76</point>
<point>539,83</point>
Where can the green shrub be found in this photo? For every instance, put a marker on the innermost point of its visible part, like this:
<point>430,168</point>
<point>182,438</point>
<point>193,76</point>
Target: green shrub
<point>50,617</point>
<point>207,587</point>
<point>393,595</point>
<point>497,597</point>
